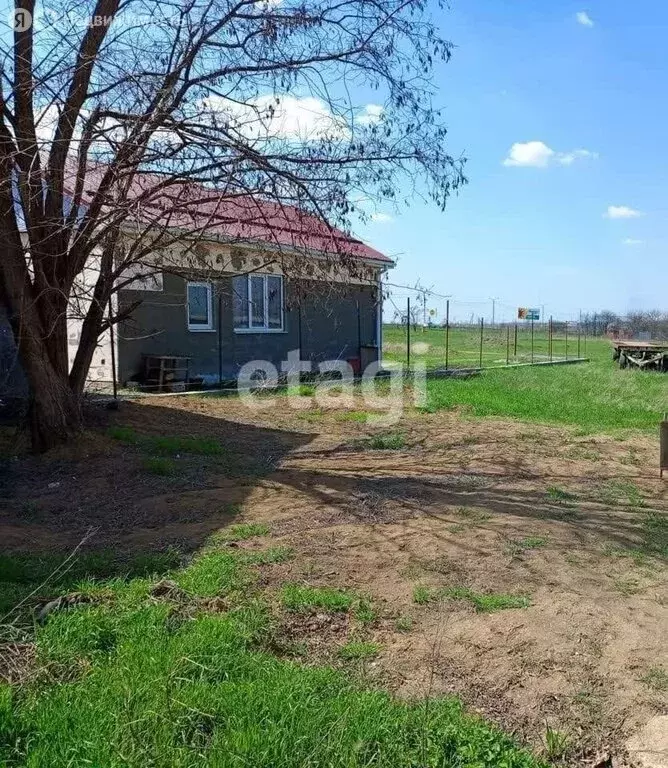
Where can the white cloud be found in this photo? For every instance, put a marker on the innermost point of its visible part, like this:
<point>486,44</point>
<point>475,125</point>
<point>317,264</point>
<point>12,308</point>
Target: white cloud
<point>45,124</point>
<point>531,154</point>
<point>584,18</point>
<point>370,115</point>
<point>621,212</point>
<point>632,241</point>
<point>536,154</point>
<point>568,158</point>
<point>280,116</point>
<point>381,218</point>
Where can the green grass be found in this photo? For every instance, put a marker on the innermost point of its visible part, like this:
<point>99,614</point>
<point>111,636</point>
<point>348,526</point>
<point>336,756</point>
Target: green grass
<point>159,465</point>
<point>655,534</point>
<point>473,515</point>
<point>303,390</point>
<point>50,575</point>
<point>627,587</point>
<point>158,452</point>
<point>556,743</point>
<point>517,547</point>
<point>122,434</point>
<point>423,595</point>
<point>166,445</point>
<point>428,346</point>
<point>365,612</point>
<point>656,679</point>
<point>596,396</point>
<point>298,597</point>
<point>244,531</point>
<point>393,441</point>
<point>404,623</point>
<point>129,682</point>
<point>486,603</point>
<point>482,602</point>
<point>357,649</point>
<point>653,529</point>
<point>621,491</point>
<point>560,496</point>
<point>533,542</point>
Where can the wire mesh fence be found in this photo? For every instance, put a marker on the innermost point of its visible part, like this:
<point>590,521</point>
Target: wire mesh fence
<point>443,333</point>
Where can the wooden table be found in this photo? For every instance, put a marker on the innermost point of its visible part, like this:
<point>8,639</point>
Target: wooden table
<point>160,370</point>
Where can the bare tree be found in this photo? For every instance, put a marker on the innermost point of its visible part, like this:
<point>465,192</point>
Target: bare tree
<point>126,126</point>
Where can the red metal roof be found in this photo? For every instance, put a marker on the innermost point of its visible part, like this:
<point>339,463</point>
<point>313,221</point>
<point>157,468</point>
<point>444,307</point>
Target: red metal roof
<point>239,217</point>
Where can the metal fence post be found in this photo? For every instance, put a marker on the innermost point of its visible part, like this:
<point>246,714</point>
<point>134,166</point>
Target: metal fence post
<point>299,330</point>
<point>579,332</point>
<point>515,353</point>
<point>532,339</point>
<point>566,339</point>
<point>549,338</point>
<point>482,330</point>
<point>359,334</point>
<point>408,333</point>
<point>112,342</point>
<point>447,333</point>
<point>507,345</point>
<point>220,336</point>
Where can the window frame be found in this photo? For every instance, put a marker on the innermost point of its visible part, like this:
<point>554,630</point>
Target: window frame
<point>265,289</point>
<point>200,327</point>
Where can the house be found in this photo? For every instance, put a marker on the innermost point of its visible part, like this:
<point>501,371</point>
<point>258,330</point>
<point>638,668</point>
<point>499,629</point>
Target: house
<point>267,280</point>
<point>262,280</point>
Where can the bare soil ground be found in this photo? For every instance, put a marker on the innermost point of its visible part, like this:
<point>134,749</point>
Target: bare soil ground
<point>494,506</point>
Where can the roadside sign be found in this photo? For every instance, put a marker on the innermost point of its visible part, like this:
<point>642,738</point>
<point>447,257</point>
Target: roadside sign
<point>528,313</point>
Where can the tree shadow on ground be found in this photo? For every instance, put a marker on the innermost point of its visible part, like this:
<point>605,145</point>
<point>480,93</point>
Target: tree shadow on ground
<point>124,498</point>
<point>140,506</point>
<point>340,497</point>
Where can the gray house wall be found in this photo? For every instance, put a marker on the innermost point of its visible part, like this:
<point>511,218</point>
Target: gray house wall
<point>320,317</point>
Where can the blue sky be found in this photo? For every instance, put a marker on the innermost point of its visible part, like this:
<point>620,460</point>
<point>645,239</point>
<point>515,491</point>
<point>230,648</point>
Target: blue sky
<point>538,230</point>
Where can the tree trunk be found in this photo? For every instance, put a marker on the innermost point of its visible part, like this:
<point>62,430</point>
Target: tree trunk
<point>54,415</point>
<point>54,412</point>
